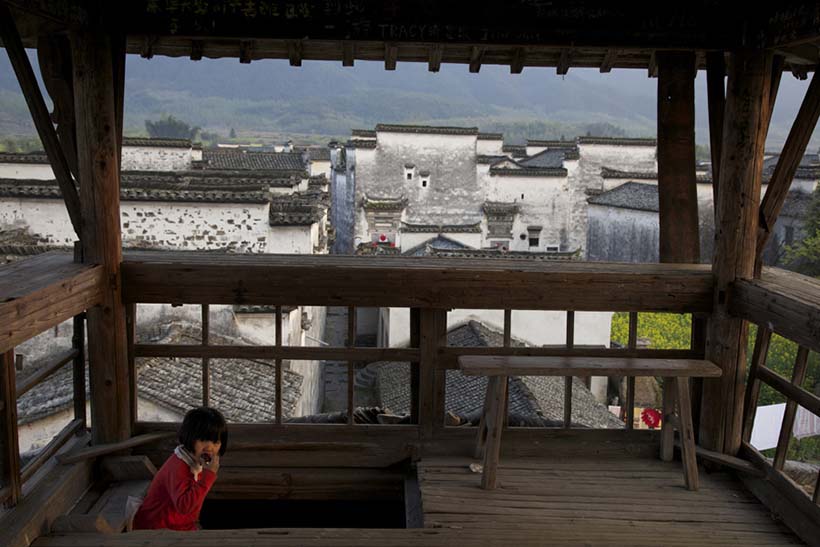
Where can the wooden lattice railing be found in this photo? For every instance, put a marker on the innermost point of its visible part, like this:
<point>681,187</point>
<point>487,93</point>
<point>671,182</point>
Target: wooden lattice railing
<point>38,294</point>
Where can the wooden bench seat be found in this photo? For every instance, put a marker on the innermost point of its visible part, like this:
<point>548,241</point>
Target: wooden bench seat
<point>677,408</point>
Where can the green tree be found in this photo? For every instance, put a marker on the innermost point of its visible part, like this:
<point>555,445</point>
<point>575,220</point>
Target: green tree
<point>170,127</point>
<point>804,256</point>
<point>232,133</point>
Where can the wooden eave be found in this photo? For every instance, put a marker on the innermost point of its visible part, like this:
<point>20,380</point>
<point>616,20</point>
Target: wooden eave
<point>519,34</point>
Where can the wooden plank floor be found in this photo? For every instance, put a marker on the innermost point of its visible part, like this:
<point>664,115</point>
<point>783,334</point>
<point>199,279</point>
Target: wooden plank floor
<point>615,501</point>
<point>623,501</point>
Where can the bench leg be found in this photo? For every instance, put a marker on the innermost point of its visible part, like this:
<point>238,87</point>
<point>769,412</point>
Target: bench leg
<point>495,424</point>
<point>668,429</point>
<point>687,435</point>
<point>481,438</point>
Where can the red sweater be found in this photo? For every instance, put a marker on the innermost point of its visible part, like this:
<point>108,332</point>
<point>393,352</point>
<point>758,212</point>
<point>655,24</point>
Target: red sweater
<point>174,498</point>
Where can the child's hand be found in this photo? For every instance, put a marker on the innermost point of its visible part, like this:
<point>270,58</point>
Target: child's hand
<point>213,464</point>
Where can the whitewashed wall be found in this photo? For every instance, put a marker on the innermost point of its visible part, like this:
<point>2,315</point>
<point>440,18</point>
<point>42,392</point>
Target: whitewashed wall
<point>485,147</point>
<point>156,158</point>
<point>36,171</point>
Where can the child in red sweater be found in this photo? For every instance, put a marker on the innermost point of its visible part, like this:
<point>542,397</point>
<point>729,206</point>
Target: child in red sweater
<point>175,496</point>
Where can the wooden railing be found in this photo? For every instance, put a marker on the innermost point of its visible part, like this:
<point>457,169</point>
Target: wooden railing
<point>38,294</point>
<point>429,287</point>
<point>786,304</point>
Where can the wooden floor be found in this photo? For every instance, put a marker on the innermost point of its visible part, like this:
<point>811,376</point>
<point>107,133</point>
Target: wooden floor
<point>620,501</point>
<point>624,501</point>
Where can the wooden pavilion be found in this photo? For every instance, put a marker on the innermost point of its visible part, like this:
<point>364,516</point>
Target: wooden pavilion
<point>555,486</point>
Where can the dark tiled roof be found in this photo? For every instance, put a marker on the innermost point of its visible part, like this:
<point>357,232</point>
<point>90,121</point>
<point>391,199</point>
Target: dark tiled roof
<point>426,129</point>
<point>500,208</point>
<point>617,141</point>
<point>384,203</point>
<point>630,195</point>
<point>490,136</point>
<point>296,209</point>
<point>361,143</point>
<point>242,389</point>
<point>256,161</point>
<point>370,248</point>
<point>552,144</point>
<point>517,150</point>
<point>500,253</point>
<point>548,159</point>
<point>439,242</point>
<point>159,142</point>
<point>808,169</point>
<point>528,172</point>
<point>608,173</point>
<point>364,133</point>
<point>315,153</point>
<point>483,159</point>
<point>191,186</point>
<point>532,400</point>
<point>441,228</point>
<point>28,157</point>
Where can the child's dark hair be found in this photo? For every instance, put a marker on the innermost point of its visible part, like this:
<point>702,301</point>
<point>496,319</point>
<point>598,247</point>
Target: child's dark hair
<point>203,424</point>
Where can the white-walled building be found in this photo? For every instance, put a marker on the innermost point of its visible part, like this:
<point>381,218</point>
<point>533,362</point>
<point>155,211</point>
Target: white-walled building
<point>177,197</point>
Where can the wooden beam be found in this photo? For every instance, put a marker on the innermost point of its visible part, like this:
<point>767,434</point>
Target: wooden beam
<point>127,468</point>
<point>716,94</point>
<point>517,61</point>
<point>348,53</point>
<point>41,117</point>
<point>43,291</point>
<point>10,457</point>
<point>789,160</point>
<point>652,65</point>
<point>53,494</point>
<point>103,449</point>
<point>197,49</point>
<point>415,370</point>
<point>807,400</point>
<point>202,278</point>
<point>391,53</point>
<point>476,56</point>
<point>787,426</point>
<point>677,184</point>
<point>564,61</point>
<point>609,60</point>
<point>97,139</point>
<point>74,427</point>
<point>54,57</point>
<point>785,302</point>
<point>294,52</point>
<point>246,48</point>
<point>434,62</point>
<point>783,497</point>
<point>761,350</point>
<point>296,353</point>
<point>118,46</point>
<point>744,137</point>
<point>36,377</point>
<point>585,366</point>
<point>428,346</point>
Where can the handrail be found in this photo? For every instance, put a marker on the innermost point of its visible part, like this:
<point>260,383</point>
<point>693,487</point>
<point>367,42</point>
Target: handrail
<point>42,373</point>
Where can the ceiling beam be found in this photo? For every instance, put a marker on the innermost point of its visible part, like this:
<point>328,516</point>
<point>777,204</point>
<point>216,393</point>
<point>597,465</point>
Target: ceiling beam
<point>564,61</point>
<point>348,53</point>
<point>476,56</point>
<point>436,52</point>
<point>517,61</point>
<point>391,54</point>
<point>295,52</point>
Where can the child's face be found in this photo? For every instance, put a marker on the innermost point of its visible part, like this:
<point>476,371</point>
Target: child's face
<point>206,447</point>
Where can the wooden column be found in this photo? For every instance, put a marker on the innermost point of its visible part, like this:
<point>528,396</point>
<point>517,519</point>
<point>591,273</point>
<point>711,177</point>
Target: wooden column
<point>677,190</point>
<point>97,159</point>
<point>744,135</point>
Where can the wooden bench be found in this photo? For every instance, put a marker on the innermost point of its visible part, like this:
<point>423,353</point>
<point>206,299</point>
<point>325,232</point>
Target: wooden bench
<point>675,372</point>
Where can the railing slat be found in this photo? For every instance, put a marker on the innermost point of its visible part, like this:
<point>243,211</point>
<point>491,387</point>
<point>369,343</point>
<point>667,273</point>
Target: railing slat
<point>759,354</point>
<point>507,344</point>
<point>568,379</point>
<point>32,380</point>
<point>278,364</point>
<point>51,448</point>
<point>206,362</point>
<point>10,463</point>
<point>807,400</point>
<point>131,356</point>
<point>632,345</point>
<point>351,342</point>
<point>272,352</point>
<point>798,375</point>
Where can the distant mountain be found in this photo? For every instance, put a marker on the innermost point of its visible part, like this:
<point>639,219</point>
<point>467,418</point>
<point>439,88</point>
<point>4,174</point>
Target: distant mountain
<point>320,100</point>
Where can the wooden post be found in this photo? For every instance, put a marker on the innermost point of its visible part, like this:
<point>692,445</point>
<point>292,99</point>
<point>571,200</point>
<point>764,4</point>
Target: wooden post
<point>744,135</point>
<point>97,159</point>
<point>677,184</point>
<point>716,93</point>
<point>415,334</point>
<point>10,456</point>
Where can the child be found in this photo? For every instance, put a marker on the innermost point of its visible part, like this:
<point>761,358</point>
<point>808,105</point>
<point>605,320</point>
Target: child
<point>176,494</point>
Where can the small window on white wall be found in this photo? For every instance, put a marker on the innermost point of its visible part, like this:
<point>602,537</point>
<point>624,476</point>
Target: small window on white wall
<point>409,171</point>
<point>534,235</point>
<point>425,178</point>
<point>553,248</point>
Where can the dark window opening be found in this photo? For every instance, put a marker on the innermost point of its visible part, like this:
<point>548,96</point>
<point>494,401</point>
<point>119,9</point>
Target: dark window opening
<point>534,242</point>
<point>522,196</point>
<point>409,176</point>
<point>424,183</point>
<point>225,514</point>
